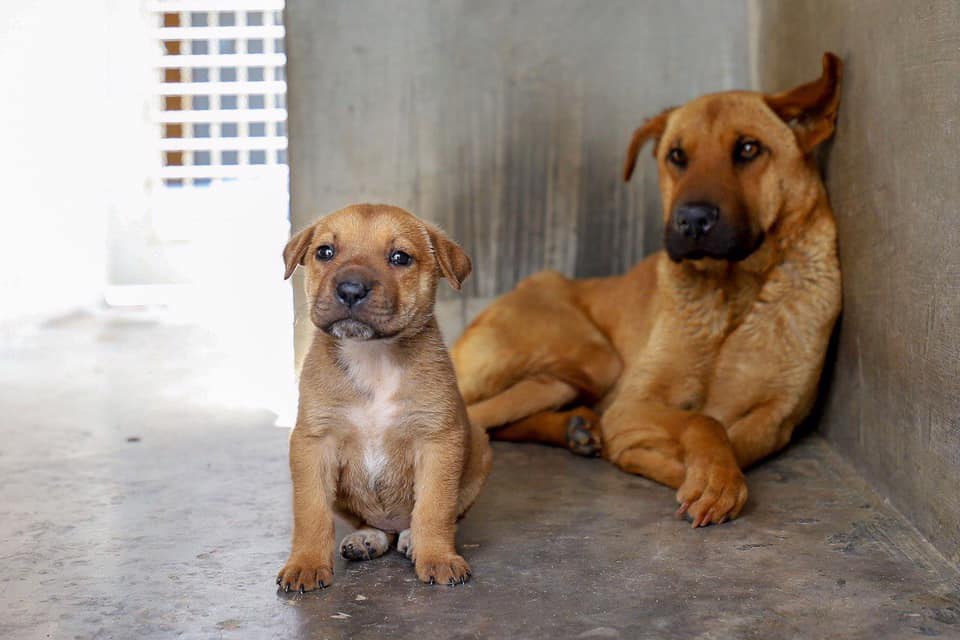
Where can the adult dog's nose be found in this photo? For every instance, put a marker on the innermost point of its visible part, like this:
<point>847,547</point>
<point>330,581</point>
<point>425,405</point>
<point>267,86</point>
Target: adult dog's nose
<point>350,292</point>
<point>695,219</point>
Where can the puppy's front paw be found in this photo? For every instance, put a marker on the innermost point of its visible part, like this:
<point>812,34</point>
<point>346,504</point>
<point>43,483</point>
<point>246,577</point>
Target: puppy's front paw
<point>449,569</point>
<point>712,493</point>
<point>305,573</point>
<point>364,544</point>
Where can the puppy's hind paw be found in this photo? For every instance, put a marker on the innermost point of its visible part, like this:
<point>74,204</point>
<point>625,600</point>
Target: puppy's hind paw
<point>583,436</point>
<point>405,544</point>
<point>364,544</point>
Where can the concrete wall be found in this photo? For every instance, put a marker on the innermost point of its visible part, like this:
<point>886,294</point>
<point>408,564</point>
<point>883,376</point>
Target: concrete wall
<point>505,122</point>
<point>893,168</point>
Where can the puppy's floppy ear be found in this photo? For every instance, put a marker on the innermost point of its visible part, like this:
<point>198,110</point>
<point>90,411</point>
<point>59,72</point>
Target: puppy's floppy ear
<point>811,109</point>
<point>296,250</point>
<point>652,128</point>
<point>453,260</point>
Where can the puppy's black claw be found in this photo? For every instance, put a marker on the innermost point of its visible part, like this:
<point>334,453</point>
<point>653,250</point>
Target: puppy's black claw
<point>302,590</point>
<point>432,580</point>
<point>279,579</point>
<point>286,588</point>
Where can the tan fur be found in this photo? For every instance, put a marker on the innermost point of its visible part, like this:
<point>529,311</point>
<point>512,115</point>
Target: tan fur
<point>382,435</point>
<point>703,366</point>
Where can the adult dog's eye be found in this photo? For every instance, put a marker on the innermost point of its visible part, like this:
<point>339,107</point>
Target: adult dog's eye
<point>325,252</point>
<point>746,150</point>
<point>400,259</point>
<point>677,157</point>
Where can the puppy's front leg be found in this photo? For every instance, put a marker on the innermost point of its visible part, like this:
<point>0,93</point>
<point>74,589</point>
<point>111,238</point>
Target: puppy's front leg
<point>433,528</point>
<point>312,467</point>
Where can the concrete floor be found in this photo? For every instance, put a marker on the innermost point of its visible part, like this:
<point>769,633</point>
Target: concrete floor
<point>134,504</point>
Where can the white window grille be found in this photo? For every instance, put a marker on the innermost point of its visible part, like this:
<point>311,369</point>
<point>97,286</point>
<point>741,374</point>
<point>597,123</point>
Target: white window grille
<point>218,109</point>
<point>206,244</point>
<point>221,96</point>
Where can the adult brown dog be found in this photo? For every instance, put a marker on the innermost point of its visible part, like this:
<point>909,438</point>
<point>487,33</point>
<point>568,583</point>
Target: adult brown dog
<point>382,435</point>
<point>703,358</point>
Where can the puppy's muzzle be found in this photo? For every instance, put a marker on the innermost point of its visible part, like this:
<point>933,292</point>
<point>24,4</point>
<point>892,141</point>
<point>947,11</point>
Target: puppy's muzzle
<point>351,292</point>
<point>348,317</point>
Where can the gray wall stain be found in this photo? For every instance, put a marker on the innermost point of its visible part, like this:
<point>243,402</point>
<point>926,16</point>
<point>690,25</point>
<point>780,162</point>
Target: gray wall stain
<point>504,122</point>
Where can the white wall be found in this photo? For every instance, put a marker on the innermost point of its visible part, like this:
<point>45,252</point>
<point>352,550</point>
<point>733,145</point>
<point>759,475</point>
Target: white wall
<point>71,115</point>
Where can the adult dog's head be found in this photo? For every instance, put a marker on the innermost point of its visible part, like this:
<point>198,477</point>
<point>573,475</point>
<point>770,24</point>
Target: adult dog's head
<point>372,270</point>
<point>726,161</point>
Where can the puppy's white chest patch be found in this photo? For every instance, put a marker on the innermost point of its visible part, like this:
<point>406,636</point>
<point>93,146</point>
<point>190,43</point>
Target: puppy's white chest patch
<point>371,369</point>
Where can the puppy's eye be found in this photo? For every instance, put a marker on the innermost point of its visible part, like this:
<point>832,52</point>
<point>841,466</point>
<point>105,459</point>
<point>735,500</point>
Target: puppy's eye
<point>746,150</point>
<point>325,253</point>
<point>677,157</point>
<point>400,258</point>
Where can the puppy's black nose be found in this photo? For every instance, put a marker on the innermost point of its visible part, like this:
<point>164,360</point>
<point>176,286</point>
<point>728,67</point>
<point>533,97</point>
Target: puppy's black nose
<point>695,219</point>
<point>351,292</point>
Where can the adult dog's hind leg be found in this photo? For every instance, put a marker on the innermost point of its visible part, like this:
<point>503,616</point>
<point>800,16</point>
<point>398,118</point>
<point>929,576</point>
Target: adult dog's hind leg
<point>577,429</point>
<point>521,400</point>
<point>534,351</point>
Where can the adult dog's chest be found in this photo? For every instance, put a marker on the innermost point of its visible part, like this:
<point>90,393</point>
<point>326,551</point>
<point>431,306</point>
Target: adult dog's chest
<point>692,341</point>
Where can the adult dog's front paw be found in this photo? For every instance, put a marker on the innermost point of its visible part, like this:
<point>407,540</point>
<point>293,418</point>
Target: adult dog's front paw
<point>712,492</point>
<point>449,569</point>
<point>305,573</point>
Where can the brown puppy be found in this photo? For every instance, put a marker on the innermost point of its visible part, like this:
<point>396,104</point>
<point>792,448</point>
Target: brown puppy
<point>703,358</point>
<point>382,435</point>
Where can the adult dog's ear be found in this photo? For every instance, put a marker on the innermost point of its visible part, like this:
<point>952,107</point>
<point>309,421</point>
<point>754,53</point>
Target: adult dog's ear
<point>811,109</point>
<point>296,250</point>
<point>652,128</point>
<point>453,261</point>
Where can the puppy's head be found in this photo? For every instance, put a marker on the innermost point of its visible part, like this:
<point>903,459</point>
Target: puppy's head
<point>372,271</point>
<point>728,163</point>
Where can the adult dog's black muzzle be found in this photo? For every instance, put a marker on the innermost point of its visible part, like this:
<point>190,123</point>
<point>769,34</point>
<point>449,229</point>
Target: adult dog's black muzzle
<point>698,230</point>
